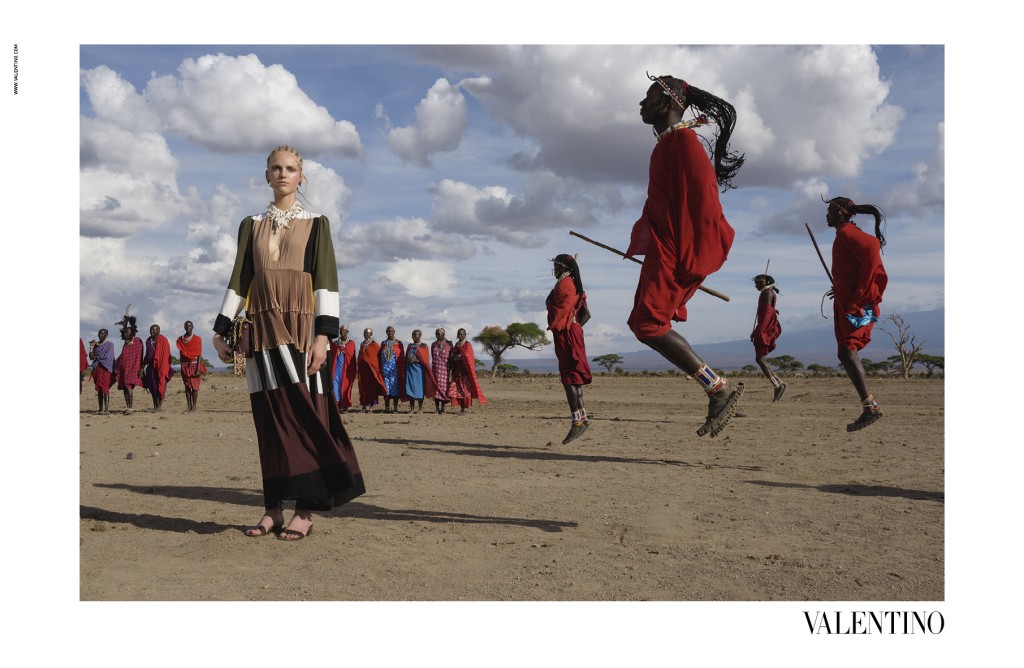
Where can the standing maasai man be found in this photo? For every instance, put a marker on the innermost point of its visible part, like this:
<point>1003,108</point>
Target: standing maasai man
<point>102,354</point>
<point>858,281</point>
<point>342,365</point>
<point>158,366</point>
<point>767,329</point>
<point>440,350</point>
<point>129,363</point>
<point>463,387</point>
<point>392,368</point>
<point>371,382</point>
<point>682,233</point>
<point>418,380</point>
<point>190,349</point>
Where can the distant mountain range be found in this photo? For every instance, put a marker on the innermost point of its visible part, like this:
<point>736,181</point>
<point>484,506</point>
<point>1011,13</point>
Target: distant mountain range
<point>816,345</point>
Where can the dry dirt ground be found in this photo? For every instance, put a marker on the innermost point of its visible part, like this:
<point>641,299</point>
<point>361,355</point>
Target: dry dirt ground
<point>785,505</point>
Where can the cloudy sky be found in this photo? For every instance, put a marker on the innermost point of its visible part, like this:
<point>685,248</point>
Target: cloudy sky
<point>452,173</point>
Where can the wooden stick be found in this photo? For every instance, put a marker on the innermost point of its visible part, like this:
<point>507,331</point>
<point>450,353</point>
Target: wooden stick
<point>766,266</point>
<point>827,272</point>
<point>711,292</point>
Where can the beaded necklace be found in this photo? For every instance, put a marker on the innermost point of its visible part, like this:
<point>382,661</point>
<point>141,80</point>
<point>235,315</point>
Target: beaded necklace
<point>281,219</point>
<point>696,122</point>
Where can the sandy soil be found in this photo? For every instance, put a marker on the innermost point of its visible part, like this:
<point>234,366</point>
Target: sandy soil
<point>489,506</point>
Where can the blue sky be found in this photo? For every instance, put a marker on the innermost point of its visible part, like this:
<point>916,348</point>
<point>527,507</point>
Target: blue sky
<point>452,173</point>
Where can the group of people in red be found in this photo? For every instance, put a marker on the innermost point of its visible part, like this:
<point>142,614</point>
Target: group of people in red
<point>147,365</point>
<point>684,237</point>
<point>444,371</point>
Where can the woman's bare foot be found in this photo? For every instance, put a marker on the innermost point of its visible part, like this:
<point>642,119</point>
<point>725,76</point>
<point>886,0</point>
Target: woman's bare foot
<point>299,527</point>
<point>273,519</point>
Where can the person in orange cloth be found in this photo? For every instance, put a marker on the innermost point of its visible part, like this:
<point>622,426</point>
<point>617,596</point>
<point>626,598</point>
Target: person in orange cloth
<point>342,366</point>
<point>858,281</point>
<point>190,353</point>
<point>158,367</point>
<point>682,233</point>
<point>371,382</point>
<point>563,303</point>
<point>463,386</point>
<point>767,330</point>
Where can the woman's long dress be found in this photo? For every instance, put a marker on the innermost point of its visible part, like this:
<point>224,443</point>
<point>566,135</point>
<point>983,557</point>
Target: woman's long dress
<point>305,453</point>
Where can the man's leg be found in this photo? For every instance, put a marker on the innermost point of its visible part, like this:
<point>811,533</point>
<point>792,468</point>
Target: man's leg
<point>855,370</point>
<point>722,398</point>
<point>574,395</point>
<point>778,385</point>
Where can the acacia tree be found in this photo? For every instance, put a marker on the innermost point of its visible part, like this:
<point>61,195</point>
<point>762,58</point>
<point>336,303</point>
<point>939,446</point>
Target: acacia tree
<point>907,347</point>
<point>785,364</point>
<point>820,370</point>
<point>497,341</point>
<point>931,363</point>
<point>608,361</point>
<point>873,368</point>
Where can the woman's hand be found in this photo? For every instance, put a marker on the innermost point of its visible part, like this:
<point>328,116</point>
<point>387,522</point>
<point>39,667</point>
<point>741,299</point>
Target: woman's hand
<point>223,348</point>
<point>318,355</point>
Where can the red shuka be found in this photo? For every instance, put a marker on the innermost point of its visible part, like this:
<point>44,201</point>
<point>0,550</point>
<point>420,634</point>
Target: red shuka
<point>561,304</point>
<point>463,386</point>
<point>161,364</point>
<point>348,374</point>
<point>371,383</point>
<point>191,363</point>
<point>767,328</point>
<point>682,233</point>
<point>858,281</point>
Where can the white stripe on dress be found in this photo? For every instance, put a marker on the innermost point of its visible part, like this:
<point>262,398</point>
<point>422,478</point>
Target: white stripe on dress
<point>232,304</point>
<point>261,365</point>
<point>326,302</point>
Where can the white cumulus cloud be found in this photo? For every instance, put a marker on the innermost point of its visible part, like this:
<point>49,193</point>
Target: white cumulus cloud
<point>226,104</point>
<point>440,124</point>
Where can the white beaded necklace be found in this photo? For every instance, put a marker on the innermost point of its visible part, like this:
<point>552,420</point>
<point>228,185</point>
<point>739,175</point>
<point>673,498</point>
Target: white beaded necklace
<point>281,219</point>
<point>700,120</point>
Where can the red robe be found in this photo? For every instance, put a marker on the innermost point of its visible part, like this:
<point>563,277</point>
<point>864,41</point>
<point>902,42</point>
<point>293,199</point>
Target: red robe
<point>371,383</point>
<point>84,361</point>
<point>463,386</point>
<point>561,304</point>
<point>191,366</point>
<point>161,367</point>
<point>348,372</point>
<point>858,281</point>
<point>570,348</point>
<point>767,328</point>
<point>682,233</point>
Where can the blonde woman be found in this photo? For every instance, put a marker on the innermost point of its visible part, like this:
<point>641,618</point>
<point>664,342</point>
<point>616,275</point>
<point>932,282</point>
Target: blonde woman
<point>285,276</point>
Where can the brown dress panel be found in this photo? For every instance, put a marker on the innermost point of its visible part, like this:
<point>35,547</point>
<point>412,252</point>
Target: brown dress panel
<point>281,281</point>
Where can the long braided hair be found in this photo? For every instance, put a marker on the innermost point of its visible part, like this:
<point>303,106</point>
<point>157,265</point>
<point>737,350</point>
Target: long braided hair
<point>568,262</point>
<point>848,209</point>
<point>727,163</point>
<point>769,282</point>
